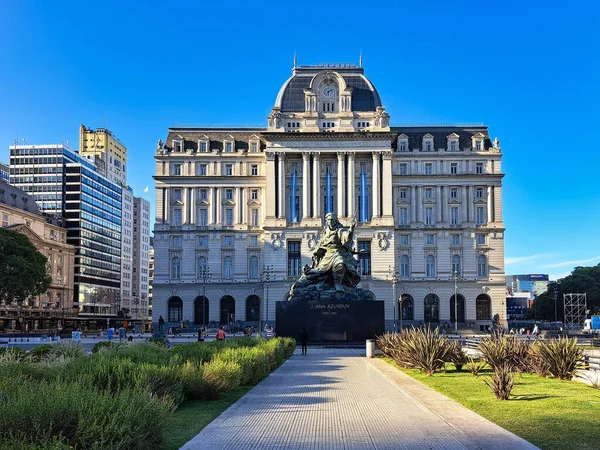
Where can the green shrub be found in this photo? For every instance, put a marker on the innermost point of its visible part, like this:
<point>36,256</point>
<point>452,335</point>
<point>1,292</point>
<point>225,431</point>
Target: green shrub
<point>456,355</point>
<point>254,362</point>
<point>220,376</point>
<point>101,345</point>
<point>139,352</point>
<point>40,352</point>
<point>160,342</point>
<point>536,361</point>
<point>68,350</point>
<point>502,380</point>
<point>37,372</point>
<point>289,345</point>
<point>161,381</point>
<point>423,349</point>
<point>192,377</point>
<point>201,352</point>
<point>500,349</point>
<point>562,356</point>
<point>15,354</point>
<point>84,418</point>
<point>475,366</point>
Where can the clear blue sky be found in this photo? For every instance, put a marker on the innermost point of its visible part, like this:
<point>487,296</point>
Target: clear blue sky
<point>528,70</point>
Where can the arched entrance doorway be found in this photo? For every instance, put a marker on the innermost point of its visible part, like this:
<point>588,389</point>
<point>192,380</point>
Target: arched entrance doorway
<point>483,307</point>
<point>175,310</point>
<point>460,310</point>
<point>227,310</point>
<point>252,308</point>
<point>407,307</point>
<point>432,308</point>
<point>201,310</point>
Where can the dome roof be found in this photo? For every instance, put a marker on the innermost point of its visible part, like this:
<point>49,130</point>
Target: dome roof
<point>364,95</point>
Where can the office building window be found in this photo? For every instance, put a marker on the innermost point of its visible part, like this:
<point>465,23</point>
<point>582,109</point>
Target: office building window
<point>429,239</point>
<point>453,146</point>
<point>428,168</point>
<point>254,217</point>
<point>177,217</point>
<point>203,147</point>
<point>479,192</point>
<point>364,257</point>
<point>203,217</point>
<point>482,266</point>
<point>254,169</point>
<point>403,216</point>
<point>456,265</point>
<point>177,195</point>
<point>254,241</point>
<point>203,240</point>
<point>480,215</point>
<point>228,169</point>
<point>428,193</point>
<point>176,241</point>
<point>455,239</point>
<point>454,192</point>
<point>176,169</point>
<point>254,147</point>
<point>454,215</point>
<point>404,266</point>
<point>228,194</point>
<point>177,146</point>
<point>228,217</point>
<point>403,169</point>
<point>430,266</point>
<point>480,239</point>
<point>228,147</point>
<point>253,268</point>
<point>478,167</point>
<point>228,241</point>
<point>404,239</point>
<point>176,268</point>
<point>294,259</point>
<point>228,267</point>
<point>203,194</point>
<point>428,216</point>
<point>403,193</point>
<point>402,146</point>
<point>202,169</point>
<point>254,194</point>
<point>454,168</point>
<point>478,145</point>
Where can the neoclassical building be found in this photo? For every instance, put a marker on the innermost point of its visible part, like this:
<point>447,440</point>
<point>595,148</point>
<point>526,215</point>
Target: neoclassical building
<point>239,210</point>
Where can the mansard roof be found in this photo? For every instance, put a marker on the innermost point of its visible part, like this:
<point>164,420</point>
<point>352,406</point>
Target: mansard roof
<point>17,198</point>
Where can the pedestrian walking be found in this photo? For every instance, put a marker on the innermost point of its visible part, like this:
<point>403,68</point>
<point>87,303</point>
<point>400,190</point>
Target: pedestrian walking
<point>220,334</point>
<point>304,340</point>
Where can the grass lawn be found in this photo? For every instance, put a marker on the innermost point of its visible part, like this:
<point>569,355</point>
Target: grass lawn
<point>549,413</point>
<point>192,416</point>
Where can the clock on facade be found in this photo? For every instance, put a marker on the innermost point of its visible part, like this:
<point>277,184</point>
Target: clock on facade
<point>328,91</point>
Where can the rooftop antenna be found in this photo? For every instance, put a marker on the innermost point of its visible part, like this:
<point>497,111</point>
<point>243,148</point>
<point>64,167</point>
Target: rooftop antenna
<point>295,59</point>
<point>360,64</point>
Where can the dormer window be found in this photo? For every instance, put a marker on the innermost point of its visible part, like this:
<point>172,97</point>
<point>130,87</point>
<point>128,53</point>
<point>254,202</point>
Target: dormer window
<point>477,144</point>
<point>453,145</point>
<point>427,143</point>
<point>177,145</point>
<point>203,146</point>
<point>228,147</point>
<point>254,147</point>
<point>403,143</point>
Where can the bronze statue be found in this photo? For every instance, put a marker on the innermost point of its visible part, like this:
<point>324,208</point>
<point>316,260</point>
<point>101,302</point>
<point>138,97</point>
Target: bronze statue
<point>333,262</point>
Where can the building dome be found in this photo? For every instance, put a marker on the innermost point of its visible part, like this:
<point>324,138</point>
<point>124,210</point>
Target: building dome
<point>365,97</point>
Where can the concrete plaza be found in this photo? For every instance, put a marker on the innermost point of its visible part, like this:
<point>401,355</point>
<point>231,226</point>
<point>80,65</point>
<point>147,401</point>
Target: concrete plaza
<point>338,399</point>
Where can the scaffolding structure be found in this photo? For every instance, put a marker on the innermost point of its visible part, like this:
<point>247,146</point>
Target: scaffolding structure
<point>575,310</point>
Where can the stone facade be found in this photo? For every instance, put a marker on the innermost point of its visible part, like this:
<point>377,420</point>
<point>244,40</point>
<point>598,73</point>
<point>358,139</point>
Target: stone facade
<point>230,234</point>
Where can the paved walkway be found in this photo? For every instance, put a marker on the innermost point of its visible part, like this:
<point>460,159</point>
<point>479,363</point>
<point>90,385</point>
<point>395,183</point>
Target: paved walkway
<point>337,399</point>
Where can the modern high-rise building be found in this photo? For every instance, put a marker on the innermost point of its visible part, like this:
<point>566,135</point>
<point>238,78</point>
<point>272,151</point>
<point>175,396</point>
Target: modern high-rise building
<point>102,144</point>
<point>127,249</point>
<point>535,284</point>
<point>239,210</point>
<point>141,258</point>
<point>66,185</point>
<point>4,172</point>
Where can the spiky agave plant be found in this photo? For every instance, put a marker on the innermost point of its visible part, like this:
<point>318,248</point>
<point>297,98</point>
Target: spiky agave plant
<point>502,380</point>
<point>426,350</point>
<point>562,356</point>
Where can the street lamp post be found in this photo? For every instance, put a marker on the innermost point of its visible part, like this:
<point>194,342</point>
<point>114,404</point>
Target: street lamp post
<point>400,306</point>
<point>393,277</point>
<point>266,277</point>
<point>455,276</point>
<point>205,275</point>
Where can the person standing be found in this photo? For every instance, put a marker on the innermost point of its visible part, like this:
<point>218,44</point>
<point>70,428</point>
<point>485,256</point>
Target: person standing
<point>109,333</point>
<point>304,340</point>
<point>161,322</point>
<point>220,334</point>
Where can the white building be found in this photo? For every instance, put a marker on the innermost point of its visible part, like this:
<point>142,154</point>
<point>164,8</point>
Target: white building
<point>127,248</point>
<point>141,259</point>
<point>239,210</point>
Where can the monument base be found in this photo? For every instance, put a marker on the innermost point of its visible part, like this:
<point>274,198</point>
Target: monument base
<point>331,320</point>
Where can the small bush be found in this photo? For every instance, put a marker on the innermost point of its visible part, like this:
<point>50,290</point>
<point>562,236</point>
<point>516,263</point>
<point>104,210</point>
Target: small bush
<point>192,377</point>
<point>201,352</point>
<point>160,342</point>
<point>475,366</point>
<point>502,380</point>
<point>68,350</point>
<point>40,352</point>
<point>456,355</point>
<point>139,352</point>
<point>536,361</point>
<point>254,362</point>
<point>500,349</point>
<point>101,345</point>
<point>10,355</point>
<point>562,356</point>
<point>220,376</point>
<point>423,349</point>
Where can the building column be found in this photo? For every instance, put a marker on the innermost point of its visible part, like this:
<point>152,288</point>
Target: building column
<point>193,216</point>
<point>186,204</point>
<point>219,210</point>
<point>413,204</point>
<point>305,185</point>
<point>438,204</point>
<point>270,200</point>
<point>211,207</point>
<point>351,184</point>
<point>386,178</point>
<point>281,187</point>
<point>490,210</point>
<point>376,212</point>
<point>445,208</point>
<point>316,185</point>
<point>419,205</point>
<point>340,185</point>
<point>236,209</point>
<point>470,205</point>
<point>463,201</point>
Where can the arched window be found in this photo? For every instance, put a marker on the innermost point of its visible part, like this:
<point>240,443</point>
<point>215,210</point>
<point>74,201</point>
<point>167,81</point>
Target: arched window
<point>176,268</point>
<point>252,308</point>
<point>227,310</point>
<point>175,309</point>
<point>483,307</point>
<point>202,271</point>
<point>408,307</point>
<point>430,266</point>
<point>458,308</point>
<point>253,268</point>
<point>456,265</point>
<point>404,266</point>
<point>482,266</point>
<point>432,308</point>
<point>201,305</point>
<point>228,267</point>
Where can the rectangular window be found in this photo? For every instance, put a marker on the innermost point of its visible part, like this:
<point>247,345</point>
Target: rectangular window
<point>453,192</point>
<point>254,194</point>
<point>480,215</point>
<point>178,146</point>
<point>478,167</point>
<point>403,216</point>
<point>428,216</point>
<point>478,145</point>
<point>453,146</point>
<point>177,217</point>
<point>202,169</point>
<point>203,240</point>
<point>479,192</point>
<point>228,241</point>
<point>228,169</point>
<point>203,218</point>
<point>228,217</point>
<point>481,239</point>
<point>429,239</point>
<point>203,194</point>
<point>428,168</point>
<point>402,146</point>
<point>203,147</point>
<point>254,241</point>
<point>454,215</point>
<point>254,217</point>
<point>364,257</point>
<point>176,241</point>
<point>454,168</point>
<point>254,147</point>
<point>455,239</point>
<point>294,259</point>
<point>404,269</point>
<point>176,170</point>
<point>228,147</point>
<point>404,239</point>
<point>254,170</point>
<point>228,194</point>
<point>428,146</point>
<point>403,193</point>
<point>428,193</point>
<point>403,169</point>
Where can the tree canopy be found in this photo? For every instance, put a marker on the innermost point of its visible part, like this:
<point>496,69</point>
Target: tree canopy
<point>23,272</point>
<point>583,280</point>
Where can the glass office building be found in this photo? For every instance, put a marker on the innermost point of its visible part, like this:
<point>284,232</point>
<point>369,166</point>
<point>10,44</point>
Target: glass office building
<point>66,185</point>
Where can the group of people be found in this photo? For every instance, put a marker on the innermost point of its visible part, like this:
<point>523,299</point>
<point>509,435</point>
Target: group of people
<point>522,330</point>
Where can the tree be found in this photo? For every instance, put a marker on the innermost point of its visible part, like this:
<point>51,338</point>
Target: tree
<point>581,280</point>
<point>23,272</point>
